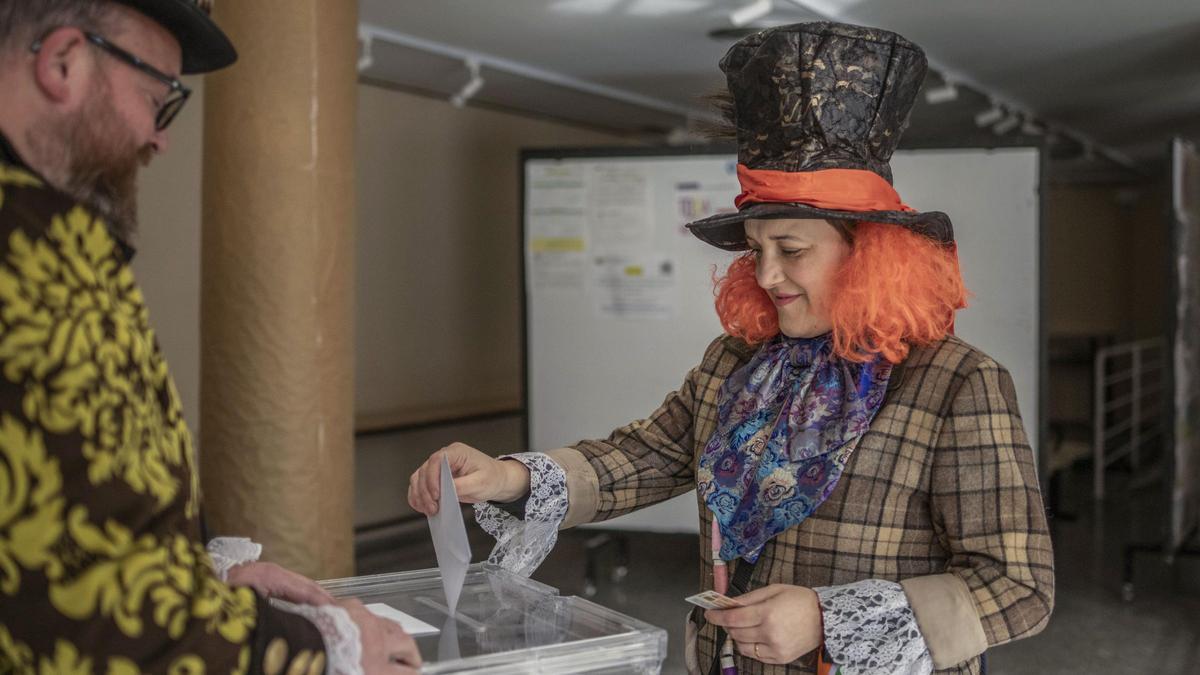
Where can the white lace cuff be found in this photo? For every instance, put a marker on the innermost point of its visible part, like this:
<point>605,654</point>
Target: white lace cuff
<point>522,545</point>
<point>343,644</point>
<point>870,629</point>
<point>229,552</point>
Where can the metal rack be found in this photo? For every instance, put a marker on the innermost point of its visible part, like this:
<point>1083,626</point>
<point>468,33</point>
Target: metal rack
<point>1128,406</point>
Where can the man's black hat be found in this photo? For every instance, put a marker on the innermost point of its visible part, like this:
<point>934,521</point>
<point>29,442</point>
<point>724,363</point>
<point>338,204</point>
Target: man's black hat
<point>205,46</point>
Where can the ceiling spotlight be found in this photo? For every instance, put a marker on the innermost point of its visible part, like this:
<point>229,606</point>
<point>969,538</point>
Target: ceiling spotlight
<point>989,117</point>
<point>943,94</point>
<point>472,86</point>
<point>366,59</point>
<point>1007,124</point>
<point>751,12</point>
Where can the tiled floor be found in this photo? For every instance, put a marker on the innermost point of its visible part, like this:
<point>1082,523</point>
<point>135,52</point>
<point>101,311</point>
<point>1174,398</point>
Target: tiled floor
<point>1092,631</point>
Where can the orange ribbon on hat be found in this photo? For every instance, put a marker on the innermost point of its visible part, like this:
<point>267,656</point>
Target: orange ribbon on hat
<point>855,190</point>
<point>852,190</point>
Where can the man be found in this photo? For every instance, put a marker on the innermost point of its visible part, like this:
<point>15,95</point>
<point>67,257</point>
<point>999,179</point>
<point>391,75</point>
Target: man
<point>101,565</point>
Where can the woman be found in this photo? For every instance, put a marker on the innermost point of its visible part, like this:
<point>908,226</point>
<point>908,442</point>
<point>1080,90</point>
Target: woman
<point>863,475</point>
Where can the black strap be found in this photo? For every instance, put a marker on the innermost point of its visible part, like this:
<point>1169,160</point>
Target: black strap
<point>737,586</point>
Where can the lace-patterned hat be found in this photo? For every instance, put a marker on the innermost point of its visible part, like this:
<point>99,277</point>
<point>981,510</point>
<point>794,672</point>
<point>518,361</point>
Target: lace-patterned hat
<point>818,109</point>
<point>205,46</point>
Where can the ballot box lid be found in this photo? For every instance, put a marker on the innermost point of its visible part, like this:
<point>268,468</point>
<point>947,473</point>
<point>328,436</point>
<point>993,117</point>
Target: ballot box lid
<point>505,623</point>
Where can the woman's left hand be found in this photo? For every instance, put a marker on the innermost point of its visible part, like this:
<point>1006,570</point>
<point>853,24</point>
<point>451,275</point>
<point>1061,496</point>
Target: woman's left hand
<point>273,581</point>
<point>779,623</point>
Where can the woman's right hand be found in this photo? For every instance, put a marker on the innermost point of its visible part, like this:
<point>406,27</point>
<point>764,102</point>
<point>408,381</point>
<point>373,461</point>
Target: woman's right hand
<point>477,478</point>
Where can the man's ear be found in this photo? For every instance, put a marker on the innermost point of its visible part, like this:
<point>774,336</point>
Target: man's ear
<point>62,66</point>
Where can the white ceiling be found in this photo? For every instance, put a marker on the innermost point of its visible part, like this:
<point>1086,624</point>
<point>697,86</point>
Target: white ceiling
<point>1126,74</point>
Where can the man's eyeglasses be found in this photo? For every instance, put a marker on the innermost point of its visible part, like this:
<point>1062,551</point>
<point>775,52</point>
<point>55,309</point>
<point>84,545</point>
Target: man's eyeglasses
<point>176,97</point>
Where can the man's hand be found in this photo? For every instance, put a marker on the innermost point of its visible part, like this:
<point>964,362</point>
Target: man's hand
<point>273,581</point>
<point>386,648</point>
<point>779,623</point>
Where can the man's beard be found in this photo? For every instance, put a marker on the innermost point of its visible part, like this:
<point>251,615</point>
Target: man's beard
<point>93,156</point>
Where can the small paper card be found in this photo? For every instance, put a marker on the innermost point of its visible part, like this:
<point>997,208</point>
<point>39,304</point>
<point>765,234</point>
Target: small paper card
<point>713,600</point>
<point>411,624</point>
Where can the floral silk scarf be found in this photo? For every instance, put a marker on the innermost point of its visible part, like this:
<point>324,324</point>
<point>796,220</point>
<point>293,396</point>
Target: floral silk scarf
<point>787,423</point>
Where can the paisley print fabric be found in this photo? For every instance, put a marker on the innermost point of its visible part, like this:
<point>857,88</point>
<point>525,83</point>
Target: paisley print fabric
<point>787,422</point>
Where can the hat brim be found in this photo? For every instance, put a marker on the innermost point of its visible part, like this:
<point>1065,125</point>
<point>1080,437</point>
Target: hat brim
<point>204,45</point>
<point>728,230</point>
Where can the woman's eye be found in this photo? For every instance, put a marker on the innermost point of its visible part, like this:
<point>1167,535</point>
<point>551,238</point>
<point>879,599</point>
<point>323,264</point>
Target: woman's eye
<point>793,252</point>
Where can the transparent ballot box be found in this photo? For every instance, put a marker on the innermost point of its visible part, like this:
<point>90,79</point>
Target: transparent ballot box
<point>505,623</point>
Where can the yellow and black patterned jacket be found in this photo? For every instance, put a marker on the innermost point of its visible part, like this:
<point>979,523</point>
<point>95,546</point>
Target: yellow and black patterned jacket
<point>101,565</point>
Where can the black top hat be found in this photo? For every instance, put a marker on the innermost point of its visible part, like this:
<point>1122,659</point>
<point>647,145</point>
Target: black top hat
<point>818,110</point>
<point>205,46</point>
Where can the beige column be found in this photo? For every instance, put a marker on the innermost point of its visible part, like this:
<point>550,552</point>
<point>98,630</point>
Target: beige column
<point>276,317</point>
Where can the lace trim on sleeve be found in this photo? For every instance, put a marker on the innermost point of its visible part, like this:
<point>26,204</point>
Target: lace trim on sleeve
<point>343,644</point>
<point>870,629</point>
<point>229,552</point>
<point>522,545</point>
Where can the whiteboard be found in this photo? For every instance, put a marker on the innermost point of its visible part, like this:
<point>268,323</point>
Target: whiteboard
<point>619,303</point>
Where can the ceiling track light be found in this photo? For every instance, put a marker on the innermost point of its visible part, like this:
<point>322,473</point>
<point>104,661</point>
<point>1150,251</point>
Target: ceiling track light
<point>989,117</point>
<point>944,94</point>
<point>366,59</point>
<point>1007,124</point>
<point>750,13</point>
<point>472,86</point>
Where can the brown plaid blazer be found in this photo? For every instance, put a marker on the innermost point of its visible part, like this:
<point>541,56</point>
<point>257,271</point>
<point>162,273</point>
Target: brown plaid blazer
<point>941,495</point>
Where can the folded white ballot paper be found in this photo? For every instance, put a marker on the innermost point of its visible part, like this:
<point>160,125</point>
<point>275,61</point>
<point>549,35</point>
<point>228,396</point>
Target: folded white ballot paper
<point>450,539</point>
<point>411,624</point>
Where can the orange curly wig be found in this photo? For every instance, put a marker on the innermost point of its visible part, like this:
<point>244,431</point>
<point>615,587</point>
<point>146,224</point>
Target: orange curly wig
<point>895,289</point>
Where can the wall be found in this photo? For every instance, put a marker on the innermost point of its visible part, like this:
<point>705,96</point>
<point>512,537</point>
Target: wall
<point>1106,252</point>
<point>1149,227</point>
<point>439,318</point>
<point>439,250</point>
<point>1087,246</point>
<point>167,263</point>
<point>438,321</point>
<point>1105,257</point>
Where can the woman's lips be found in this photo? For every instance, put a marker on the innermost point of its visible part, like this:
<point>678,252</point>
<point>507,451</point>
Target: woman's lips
<point>781,300</point>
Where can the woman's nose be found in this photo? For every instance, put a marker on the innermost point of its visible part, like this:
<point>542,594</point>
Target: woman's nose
<point>767,272</point>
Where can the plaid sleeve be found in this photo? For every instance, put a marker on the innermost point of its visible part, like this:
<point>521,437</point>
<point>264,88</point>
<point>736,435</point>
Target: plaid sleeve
<point>652,459</point>
<point>987,509</point>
